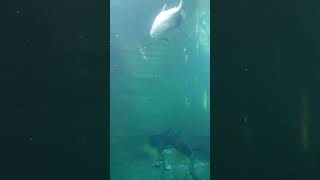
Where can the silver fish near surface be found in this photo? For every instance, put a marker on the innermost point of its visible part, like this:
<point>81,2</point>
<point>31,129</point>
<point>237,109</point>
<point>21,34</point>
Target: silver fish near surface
<point>167,21</point>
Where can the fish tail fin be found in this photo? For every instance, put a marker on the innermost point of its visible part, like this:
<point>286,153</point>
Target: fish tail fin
<point>180,5</point>
<point>165,5</point>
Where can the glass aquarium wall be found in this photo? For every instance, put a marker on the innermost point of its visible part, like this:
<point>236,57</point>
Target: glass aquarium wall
<point>160,90</point>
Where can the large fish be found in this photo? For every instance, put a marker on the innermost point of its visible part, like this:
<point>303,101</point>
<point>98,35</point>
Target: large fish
<point>167,21</point>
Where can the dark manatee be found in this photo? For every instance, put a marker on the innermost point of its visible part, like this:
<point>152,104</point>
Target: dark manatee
<point>170,139</point>
<point>164,140</point>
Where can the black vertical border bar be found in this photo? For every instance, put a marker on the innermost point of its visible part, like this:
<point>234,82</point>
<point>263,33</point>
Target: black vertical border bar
<point>108,88</point>
<point>39,138</point>
<point>214,83</point>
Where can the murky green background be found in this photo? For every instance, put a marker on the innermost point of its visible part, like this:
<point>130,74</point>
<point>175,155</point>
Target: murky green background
<point>155,86</point>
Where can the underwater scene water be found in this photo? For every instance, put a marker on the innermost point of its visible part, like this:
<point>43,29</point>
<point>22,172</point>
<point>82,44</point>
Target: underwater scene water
<point>159,92</point>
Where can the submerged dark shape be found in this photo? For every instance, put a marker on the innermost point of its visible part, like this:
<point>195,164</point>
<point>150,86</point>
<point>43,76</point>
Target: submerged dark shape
<point>170,138</point>
<point>164,140</point>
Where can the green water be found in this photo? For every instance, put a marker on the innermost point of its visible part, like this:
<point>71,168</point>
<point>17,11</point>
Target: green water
<point>157,86</point>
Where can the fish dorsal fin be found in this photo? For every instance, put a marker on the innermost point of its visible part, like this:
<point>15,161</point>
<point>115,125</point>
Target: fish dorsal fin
<point>165,5</point>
